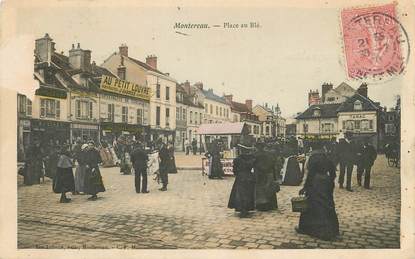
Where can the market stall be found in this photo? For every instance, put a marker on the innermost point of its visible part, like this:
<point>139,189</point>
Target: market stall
<point>228,135</point>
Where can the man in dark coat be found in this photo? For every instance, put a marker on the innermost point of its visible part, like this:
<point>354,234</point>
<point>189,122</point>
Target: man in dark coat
<point>346,153</point>
<point>164,166</point>
<point>194,146</point>
<point>139,158</point>
<point>242,197</point>
<point>320,219</point>
<point>368,157</point>
<point>266,185</point>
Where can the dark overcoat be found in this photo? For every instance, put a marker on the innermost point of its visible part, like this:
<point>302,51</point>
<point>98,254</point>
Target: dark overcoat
<point>242,196</point>
<point>320,219</point>
<point>93,178</point>
<point>265,184</point>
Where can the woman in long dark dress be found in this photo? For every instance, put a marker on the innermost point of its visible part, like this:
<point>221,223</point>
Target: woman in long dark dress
<point>93,178</point>
<point>64,180</point>
<point>216,167</point>
<point>320,219</point>
<point>33,164</point>
<point>171,165</point>
<point>242,197</point>
<point>51,160</point>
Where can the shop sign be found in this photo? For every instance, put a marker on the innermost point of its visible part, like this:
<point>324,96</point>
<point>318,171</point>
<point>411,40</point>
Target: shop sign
<point>45,124</point>
<point>227,165</point>
<point>84,126</point>
<point>50,92</point>
<point>319,137</point>
<point>119,127</point>
<point>115,85</point>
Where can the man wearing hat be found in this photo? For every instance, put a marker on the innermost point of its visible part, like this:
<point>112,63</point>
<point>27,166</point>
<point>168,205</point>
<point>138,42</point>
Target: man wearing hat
<point>242,197</point>
<point>346,153</point>
<point>139,159</point>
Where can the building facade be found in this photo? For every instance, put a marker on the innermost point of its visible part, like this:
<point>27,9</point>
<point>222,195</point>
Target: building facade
<point>216,109</point>
<point>162,105</point>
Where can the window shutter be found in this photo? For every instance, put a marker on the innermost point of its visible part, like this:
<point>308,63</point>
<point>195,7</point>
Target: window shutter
<point>42,108</point>
<point>90,110</point>
<point>58,109</point>
<point>78,108</point>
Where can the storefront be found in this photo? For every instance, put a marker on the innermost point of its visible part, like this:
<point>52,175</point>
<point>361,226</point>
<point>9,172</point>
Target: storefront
<point>84,132</point>
<point>23,138</point>
<point>47,130</point>
<point>112,130</point>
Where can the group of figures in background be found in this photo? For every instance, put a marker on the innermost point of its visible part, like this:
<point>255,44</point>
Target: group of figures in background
<point>57,163</point>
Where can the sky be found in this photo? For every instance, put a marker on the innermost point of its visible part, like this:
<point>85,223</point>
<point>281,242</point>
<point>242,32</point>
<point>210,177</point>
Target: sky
<point>294,49</point>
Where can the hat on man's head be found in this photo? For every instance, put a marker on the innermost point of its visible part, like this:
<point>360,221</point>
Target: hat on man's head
<point>84,146</point>
<point>91,142</point>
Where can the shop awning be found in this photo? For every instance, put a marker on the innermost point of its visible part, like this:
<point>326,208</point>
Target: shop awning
<point>221,128</point>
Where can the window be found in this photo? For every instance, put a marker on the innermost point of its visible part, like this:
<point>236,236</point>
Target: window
<point>177,113</point>
<point>124,114</point>
<point>348,125</point>
<point>367,125</point>
<point>50,108</point>
<point>111,112</point>
<point>211,109</point>
<point>200,118</point>
<point>316,112</point>
<point>330,99</point>
<point>140,115</point>
<point>357,125</point>
<point>305,128</point>
<point>327,127</point>
<point>217,110</point>
<point>167,93</point>
<point>256,129</point>
<point>83,110</point>
<point>158,116</point>
<point>29,107</point>
<point>267,130</point>
<point>220,111</point>
<point>158,91</point>
<point>167,117</point>
<point>195,117</point>
<point>206,108</point>
<point>184,114</point>
<point>390,129</point>
<point>21,99</point>
<point>121,72</point>
<point>191,117</point>
<point>357,105</point>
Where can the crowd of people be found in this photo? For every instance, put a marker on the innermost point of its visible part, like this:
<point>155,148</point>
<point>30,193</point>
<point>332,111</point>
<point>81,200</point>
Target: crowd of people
<point>257,170</point>
<point>57,161</point>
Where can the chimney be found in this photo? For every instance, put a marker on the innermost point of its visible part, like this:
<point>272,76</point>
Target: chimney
<point>313,97</point>
<point>324,89</point>
<point>248,104</point>
<point>199,85</point>
<point>123,50</point>
<point>186,86</point>
<point>79,58</point>
<point>228,98</point>
<point>152,61</point>
<point>44,48</point>
<point>362,90</point>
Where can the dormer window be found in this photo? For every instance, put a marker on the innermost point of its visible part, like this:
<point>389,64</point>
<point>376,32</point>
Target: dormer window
<point>316,112</point>
<point>357,105</point>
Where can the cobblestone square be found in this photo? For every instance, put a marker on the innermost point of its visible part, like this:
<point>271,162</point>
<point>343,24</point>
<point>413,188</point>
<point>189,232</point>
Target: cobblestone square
<point>193,213</point>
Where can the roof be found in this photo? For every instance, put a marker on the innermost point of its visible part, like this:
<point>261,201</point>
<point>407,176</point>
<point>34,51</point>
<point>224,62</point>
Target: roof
<point>367,104</point>
<point>240,107</point>
<point>144,65</point>
<point>209,94</point>
<point>328,110</point>
<point>221,128</point>
<point>343,86</point>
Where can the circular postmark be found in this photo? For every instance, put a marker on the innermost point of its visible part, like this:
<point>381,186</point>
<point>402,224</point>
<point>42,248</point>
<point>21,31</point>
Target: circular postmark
<point>376,45</point>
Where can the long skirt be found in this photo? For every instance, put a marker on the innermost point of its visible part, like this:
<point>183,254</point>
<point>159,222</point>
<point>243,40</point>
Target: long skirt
<point>106,157</point>
<point>320,219</point>
<point>217,168</point>
<point>242,196</point>
<point>33,172</point>
<point>64,181</point>
<point>93,181</point>
<point>265,196</point>
<point>80,178</point>
<point>171,166</point>
<point>51,166</point>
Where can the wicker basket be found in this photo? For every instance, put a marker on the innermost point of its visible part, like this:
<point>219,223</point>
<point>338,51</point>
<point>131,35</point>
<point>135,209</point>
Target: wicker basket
<point>299,204</point>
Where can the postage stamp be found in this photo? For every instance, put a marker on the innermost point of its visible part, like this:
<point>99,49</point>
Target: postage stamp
<point>375,43</point>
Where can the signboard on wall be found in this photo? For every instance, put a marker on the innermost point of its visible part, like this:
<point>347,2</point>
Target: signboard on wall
<point>227,165</point>
<point>115,85</point>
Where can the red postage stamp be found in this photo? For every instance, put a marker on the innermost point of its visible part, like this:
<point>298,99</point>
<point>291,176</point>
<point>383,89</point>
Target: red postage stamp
<point>372,42</point>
